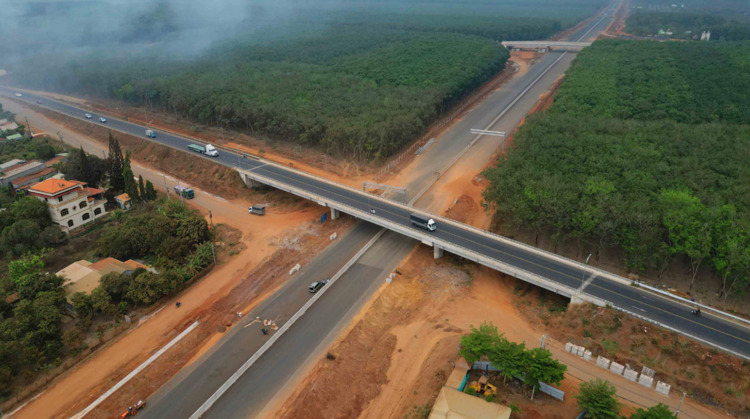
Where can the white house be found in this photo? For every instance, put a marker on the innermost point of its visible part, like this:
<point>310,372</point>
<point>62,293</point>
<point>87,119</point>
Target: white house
<point>71,204</point>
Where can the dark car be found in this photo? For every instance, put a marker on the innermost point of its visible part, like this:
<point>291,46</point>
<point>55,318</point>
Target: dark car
<point>315,286</point>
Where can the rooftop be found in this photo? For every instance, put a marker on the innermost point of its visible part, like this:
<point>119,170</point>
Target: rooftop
<point>54,186</point>
<point>11,163</point>
<point>123,197</point>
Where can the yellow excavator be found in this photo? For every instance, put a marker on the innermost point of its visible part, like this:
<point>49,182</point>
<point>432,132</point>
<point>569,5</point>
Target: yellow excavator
<point>483,387</point>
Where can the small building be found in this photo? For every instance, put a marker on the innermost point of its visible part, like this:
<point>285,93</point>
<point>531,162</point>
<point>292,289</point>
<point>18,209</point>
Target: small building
<point>84,276</point>
<point>8,126</point>
<point>71,204</point>
<point>123,201</point>
<point>454,404</point>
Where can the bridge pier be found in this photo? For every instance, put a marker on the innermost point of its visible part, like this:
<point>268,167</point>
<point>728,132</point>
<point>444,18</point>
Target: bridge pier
<point>249,182</point>
<point>437,251</point>
<point>334,213</point>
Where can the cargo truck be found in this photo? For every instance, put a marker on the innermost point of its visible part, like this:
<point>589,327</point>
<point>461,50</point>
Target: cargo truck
<point>207,149</point>
<point>186,193</point>
<point>424,222</point>
<point>150,133</point>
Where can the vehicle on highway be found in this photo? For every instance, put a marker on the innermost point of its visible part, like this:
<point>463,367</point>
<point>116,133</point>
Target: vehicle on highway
<point>150,133</point>
<point>19,95</point>
<point>257,209</point>
<point>38,102</point>
<point>207,149</point>
<point>186,192</point>
<point>316,286</point>
<point>102,119</point>
<point>424,222</point>
<point>88,116</point>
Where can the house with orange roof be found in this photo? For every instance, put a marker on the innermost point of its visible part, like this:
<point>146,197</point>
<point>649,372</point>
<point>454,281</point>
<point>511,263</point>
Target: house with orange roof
<point>70,203</point>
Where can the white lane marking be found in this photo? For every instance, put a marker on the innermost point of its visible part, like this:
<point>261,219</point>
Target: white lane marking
<point>638,308</point>
<point>133,373</point>
<point>249,363</point>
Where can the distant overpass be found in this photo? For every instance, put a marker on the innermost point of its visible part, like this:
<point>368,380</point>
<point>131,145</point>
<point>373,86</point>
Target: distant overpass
<point>544,46</point>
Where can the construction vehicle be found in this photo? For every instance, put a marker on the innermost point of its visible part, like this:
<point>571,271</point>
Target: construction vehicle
<point>186,193</point>
<point>207,149</point>
<point>424,222</point>
<point>482,387</point>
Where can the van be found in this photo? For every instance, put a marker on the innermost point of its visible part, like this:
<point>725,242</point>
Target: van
<point>257,209</point>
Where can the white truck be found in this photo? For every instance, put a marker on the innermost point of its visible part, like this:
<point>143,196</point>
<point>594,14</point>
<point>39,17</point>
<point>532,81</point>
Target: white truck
<point>424,222</point>
<point>207,149</point>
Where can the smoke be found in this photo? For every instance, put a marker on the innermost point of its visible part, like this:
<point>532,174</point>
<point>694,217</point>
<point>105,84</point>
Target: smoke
<point>180,28</point>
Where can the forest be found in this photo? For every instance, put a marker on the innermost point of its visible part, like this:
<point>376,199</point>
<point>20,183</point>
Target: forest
<point>645,149</point>
<point>359,81</point>
<point>725,19</point>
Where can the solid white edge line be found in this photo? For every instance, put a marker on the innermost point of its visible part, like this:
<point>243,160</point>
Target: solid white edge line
<point>133,373</point>
<point>249,363</point>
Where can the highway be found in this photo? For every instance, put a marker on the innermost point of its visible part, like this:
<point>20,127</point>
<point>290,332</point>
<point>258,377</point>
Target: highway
<point>191,387</point>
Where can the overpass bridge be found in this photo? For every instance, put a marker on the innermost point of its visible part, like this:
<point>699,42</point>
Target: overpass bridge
<point>575,280</point>
<point>545,46</point>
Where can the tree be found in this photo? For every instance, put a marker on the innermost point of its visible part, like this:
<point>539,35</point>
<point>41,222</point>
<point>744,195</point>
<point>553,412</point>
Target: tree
<point>142,189</point>
<point>115,165</point>
<point>540,366</point>
<point>84,167</point>
<point>115,285</point>
<point>598,398</point>
<point>131,188</point>
<point>144,289</point>
<point>150,191</point>
<point>659,411</point>
<point>101,302</point>
<point>82,304</point>
<point>478,342</point>
<point>29,280</point>
<point>688,224</point>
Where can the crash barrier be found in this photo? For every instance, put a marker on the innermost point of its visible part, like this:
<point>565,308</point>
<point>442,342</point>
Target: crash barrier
<point>629,374</point>
<point>578,350</point>
<point>663,388</point>
<point>616,368</point>
<point>646,378</point>
<point>603,362</point>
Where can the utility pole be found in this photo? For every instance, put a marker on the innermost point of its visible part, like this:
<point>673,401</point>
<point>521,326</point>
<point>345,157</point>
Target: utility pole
<point>31,134</point>
<point>679,404</point>
<point>213,251</point>
<point>179,190</point>
<point>166,186</point>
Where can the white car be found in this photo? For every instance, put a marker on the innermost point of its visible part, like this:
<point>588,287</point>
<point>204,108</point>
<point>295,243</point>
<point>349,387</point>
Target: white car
<point>102,119</point>
<point>88,116</point>
<point>19,95</point>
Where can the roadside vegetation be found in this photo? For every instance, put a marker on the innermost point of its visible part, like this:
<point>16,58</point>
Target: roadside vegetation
<point>41,326</point>
<point>727,20</point>
<point>707,376</point>
<point>645,150</point>
<point>512,360</point>
<point>355,82</point>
